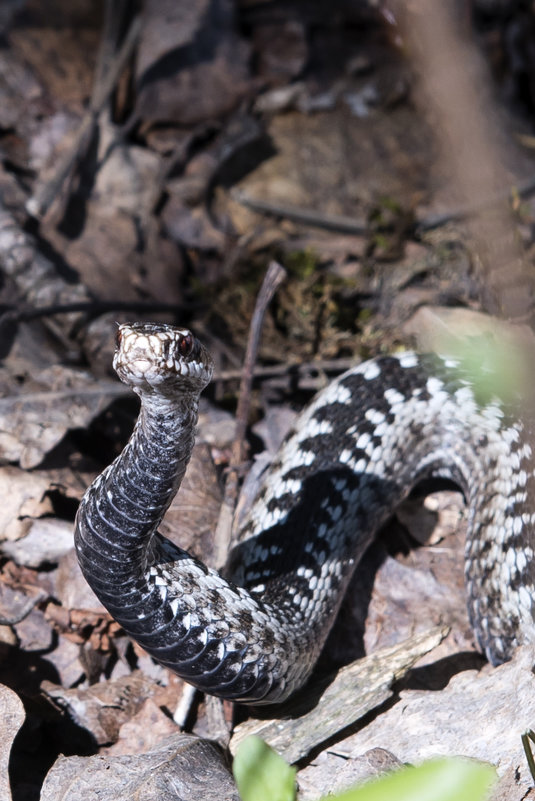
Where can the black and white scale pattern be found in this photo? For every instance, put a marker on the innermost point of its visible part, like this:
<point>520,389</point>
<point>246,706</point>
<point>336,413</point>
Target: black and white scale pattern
<point>255,633</point>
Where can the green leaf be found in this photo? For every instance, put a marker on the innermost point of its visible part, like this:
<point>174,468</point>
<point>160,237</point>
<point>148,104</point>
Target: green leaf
<point>261,774</point>
<point>440,780</point>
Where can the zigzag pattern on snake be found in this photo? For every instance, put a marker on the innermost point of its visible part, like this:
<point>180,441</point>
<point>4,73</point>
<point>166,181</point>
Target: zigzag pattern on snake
<point>255,633</point>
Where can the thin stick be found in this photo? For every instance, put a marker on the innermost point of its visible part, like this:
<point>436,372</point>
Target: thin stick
<point>183,707</point>
<point>523,190</point>
<point>18,314</point>
<point>301,369</point>
<point>526,737</point>
<point>112,388</point>
<point>347,225</point>
<point>274,277</point>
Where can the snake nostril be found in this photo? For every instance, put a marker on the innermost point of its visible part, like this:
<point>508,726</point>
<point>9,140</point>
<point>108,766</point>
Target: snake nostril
<point>166,350</point>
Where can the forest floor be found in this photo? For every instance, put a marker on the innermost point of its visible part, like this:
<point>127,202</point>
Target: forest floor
<point>152,168</point>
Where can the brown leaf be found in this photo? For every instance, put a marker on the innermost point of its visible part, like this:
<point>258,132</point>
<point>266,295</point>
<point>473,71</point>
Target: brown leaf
<point>192,64</point>
<point>58,399</point>
<point>47,540</point>
<point>23,498</point>
<point>103,708</point>
<point>35,632</point>
<point>182,768</point>
<point>192,228</point>
<point>145,731</point>
<point>65,657</point>
<point>72,590</point>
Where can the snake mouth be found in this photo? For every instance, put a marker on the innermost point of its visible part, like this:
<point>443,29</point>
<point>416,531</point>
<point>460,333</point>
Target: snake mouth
<point>157,355</point>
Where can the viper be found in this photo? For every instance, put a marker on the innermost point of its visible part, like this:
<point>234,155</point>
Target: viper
<point>254,632</point>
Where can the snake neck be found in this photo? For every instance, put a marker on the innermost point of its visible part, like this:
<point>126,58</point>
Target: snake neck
<point>124,506</point>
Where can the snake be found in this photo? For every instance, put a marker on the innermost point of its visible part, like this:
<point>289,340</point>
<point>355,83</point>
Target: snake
<point>253,631</point>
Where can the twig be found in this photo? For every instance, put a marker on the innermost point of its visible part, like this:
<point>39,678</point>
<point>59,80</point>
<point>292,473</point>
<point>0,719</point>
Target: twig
<point>43,197</point>
<point>272,280</point>
<point>113,389</point>
<point>274,277</point>
<point>302,369</point>
<point>347,225</point>
<point>17,314</point>
<point>523,190</point>
<point>114,17</point>
<point>183,707</point>
<point>528,735</point>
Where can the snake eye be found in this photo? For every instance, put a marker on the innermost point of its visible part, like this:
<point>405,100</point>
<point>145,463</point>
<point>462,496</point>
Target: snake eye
<point>185,345</point>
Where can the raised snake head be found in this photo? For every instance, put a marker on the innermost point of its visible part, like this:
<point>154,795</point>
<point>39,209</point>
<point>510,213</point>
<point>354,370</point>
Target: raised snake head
<point>162,359</point>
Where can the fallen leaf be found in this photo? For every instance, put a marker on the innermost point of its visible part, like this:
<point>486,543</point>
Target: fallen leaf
<point>145,731</point>
<point>479,715</point>
<point>192,65</point>
<point>182,768</point>
<point>102,708</point>
<point>47,540</point>
<point>23,498</point>
<point>58,399</point>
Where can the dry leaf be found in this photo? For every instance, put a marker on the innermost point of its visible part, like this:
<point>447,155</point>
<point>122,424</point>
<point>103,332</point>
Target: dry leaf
<point>23,498</point>
<point>103,708</point>
<point>192,65</point>
<point>59,399</point>
<point>182,768</point>
<point>47,540</point>
<point>145,731</point>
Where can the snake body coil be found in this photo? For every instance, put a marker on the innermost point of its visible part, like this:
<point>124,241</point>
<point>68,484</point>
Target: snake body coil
<point>353,455</point>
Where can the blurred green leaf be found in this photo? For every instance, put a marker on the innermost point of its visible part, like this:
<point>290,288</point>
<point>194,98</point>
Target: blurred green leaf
<point>440,780</point>
<point>261,774</point>
<point>497,369</point>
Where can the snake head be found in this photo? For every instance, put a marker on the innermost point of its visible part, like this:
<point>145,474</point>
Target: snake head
<point>153,357</point>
